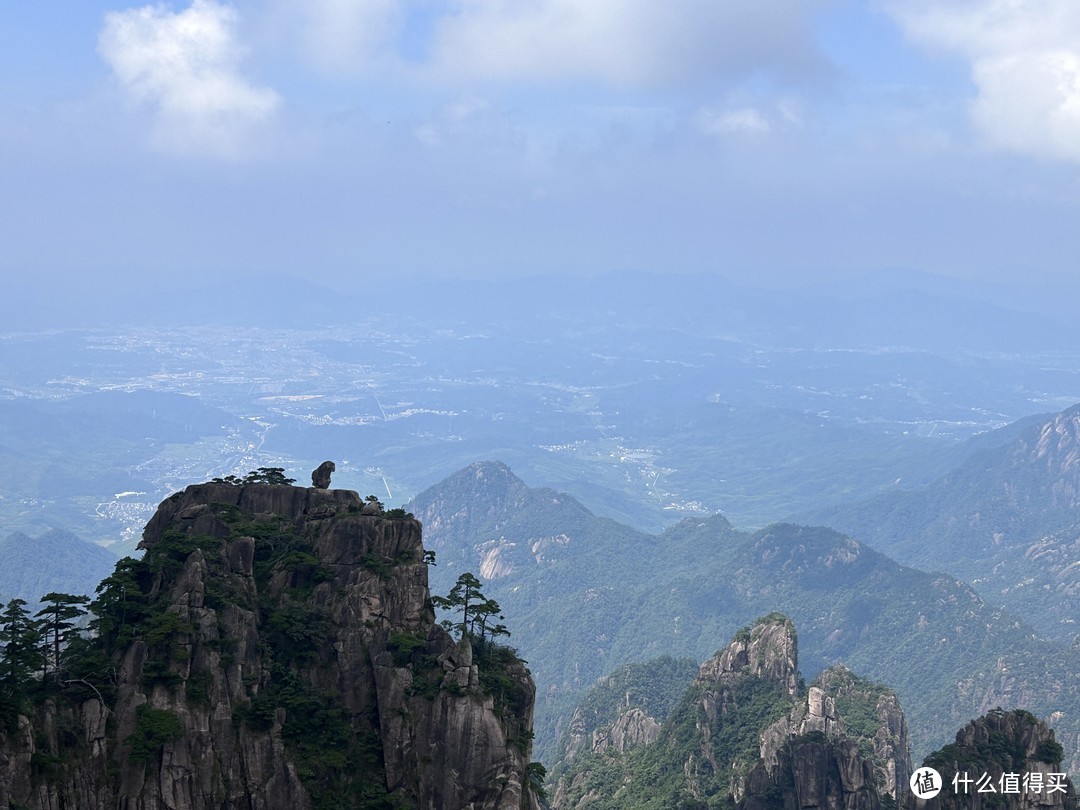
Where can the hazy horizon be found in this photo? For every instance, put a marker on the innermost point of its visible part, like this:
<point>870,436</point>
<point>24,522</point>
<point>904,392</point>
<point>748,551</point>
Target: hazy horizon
<point>775,143</point>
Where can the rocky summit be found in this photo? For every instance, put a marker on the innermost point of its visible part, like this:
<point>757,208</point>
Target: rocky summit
<point>1005,760</point>
<point>275,647</point>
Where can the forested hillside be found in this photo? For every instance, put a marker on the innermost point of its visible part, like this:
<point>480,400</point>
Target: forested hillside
<point>584,596</point>
<point>1007,521</point>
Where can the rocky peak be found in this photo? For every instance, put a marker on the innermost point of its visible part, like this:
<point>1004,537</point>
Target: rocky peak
<point>768,649</point>
<point>275,647</point>
<point>1058,442</point>
<point>757,676</point>
<point>486,490</point>
<point>746,734</point>
<point>468,518</point>
<point>996,744</point>
<point>821,714</point>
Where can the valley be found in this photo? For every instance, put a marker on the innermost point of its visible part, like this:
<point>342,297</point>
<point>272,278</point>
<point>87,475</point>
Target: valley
<point>645,421</point>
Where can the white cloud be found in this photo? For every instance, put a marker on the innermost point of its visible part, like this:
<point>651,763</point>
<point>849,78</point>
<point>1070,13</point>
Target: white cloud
<point>743,121</point>
<point>186,64</point>
<point>1025,58</point>
<point>343,35</point>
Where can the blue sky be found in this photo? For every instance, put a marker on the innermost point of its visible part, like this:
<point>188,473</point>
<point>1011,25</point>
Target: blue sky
<point>776,140</point>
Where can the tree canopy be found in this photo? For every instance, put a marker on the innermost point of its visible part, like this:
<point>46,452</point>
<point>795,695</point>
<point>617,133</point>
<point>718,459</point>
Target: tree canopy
<point>478,616</point>
<point>274,476</point>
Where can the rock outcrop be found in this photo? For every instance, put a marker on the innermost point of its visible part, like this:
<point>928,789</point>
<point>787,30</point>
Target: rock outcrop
<point>633,728</point>
<point>320,476</point>
<point>871,713</point>
<point>627,708</point>
<point>1005,760</point>
<point>275,647</point>
<point>767,650</point>
<point>745,734</point>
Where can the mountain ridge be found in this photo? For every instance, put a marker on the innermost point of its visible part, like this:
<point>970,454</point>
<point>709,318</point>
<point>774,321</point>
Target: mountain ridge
<point>1007,521</point>
<point>74,566</point>
<point>617,598</point>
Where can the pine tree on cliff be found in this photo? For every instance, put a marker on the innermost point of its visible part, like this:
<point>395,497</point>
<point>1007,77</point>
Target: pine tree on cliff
<point>119,607</point>
<point>59,618</point>
<point>477,611</point>
<point>20,641</point>
<point>20,648</point>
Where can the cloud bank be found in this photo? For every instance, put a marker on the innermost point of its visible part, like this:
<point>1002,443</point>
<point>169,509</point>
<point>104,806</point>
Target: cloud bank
<point>186,64</point>
<point>1025,62</point>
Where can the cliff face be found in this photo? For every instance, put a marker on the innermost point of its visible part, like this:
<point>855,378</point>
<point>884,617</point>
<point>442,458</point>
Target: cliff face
<point>869,712</point>
<point>814,773</point>
<point>275,648</point>
<point>846,746</point>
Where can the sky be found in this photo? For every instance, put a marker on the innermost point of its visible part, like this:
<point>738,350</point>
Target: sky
<point>776,140</point>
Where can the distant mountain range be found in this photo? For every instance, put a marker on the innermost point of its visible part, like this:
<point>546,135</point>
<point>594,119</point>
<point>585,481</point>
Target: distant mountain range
<point>584,595</point>
<point>53,561</point>
<point>651,397</point>
<point>899,308</point>
<point>1007,521</point>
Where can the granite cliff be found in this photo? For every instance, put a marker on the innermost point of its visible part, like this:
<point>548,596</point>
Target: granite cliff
<point>275,647</point>
<point>747,734</point>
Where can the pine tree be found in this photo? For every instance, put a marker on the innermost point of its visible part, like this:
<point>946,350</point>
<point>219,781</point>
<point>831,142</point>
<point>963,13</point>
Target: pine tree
<point>58,620</point>
<point>119,606</point>
<point>20,640</point>
<point>274,476</point>
<point>476,610</point>
<point>20,658</point>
